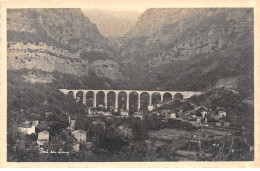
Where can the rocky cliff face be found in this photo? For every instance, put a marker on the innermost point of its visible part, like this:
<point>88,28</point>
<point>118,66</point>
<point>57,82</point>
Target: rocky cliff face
<point>56,39</point>
<point>172,46</point>
<point>180,49</point>
<point>46,58</point>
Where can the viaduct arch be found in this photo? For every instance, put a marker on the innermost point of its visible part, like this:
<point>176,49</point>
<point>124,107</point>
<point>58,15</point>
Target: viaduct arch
<point>163,94</point>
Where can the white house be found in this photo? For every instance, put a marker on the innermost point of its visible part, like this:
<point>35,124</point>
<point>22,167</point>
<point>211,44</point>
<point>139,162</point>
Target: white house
<point>150,107</point>
<point>159,104</point>
<point>124,113</point>
<point>222,114</point>
<point>43,137</point>
<point>226,124</point>
<point>199,120</point>
<point>173,115</point>
<point>203,113</point>
<point>72,123</point>
<point>76,147</point>
<point>107,114</point>
<point>27,129</point>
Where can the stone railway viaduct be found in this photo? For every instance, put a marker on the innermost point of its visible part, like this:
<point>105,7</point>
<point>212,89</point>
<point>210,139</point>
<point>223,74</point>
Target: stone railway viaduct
<point>185,94</point>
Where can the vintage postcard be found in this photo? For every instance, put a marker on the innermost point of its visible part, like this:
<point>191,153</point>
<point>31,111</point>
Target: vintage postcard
<point>129,83</point>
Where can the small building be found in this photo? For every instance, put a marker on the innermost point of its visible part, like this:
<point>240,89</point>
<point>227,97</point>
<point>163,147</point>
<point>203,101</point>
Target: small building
<point>72,124</point>
<point>101,105</point>
<point>205,120</point>
<point>76,147</point>
<point>107,114</point>
<point>159,104</point>
<point>35,123</point>
<point>203,113</point>
<point>43,137</point>
<point>219,124</point>
<point>226,124</point>
<point>150,107</point>
<point>222,114</point>
<point>199,120</point>
<point>80,135</point>
<point>173,115</point>
<point>251,148</point>
<point>91,111</point>
<point>124,113</point>
<point>193,116</point>
<point>27,129</point>
<point>27,122</point>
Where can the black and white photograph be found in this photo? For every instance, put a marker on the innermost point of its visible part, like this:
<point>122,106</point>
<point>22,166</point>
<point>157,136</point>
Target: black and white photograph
<point>130,85</point>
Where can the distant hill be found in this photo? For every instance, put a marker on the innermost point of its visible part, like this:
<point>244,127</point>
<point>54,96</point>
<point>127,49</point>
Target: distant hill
<point>188,49</point>
<point>112,23</point>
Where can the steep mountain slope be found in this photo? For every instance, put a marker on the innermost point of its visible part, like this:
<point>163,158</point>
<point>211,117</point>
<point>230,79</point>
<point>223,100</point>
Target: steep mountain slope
<point>188,49</point>
<point>112,23</point>
<point>58,39</point>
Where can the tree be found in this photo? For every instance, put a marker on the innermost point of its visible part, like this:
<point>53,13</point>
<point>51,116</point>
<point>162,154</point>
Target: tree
<point>63,141</point>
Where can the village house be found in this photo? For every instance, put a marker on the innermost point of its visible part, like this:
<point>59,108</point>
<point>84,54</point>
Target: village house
<point>222,114</point>
<point>91,111</point>
<point>173,115</point>
<point>72,124</point>
<point>76,147</point>
<point>205,120</point>
<point>204,113</point>
<point>27,128</point>
<point>201,111</point>
<point>100,113</point>
<point>199,120</point>
<point>124,113</point>
<point>43,138</point>
<point>193,116</point>
<point>150,107</point>
<point>226,124</point>
<point>27,122</point>
<point>35,123</point>
<point>100,105</point>
<point>80,135</point>
<point>107,114</point>
<point>219,124</point>
<point>159,104</point>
